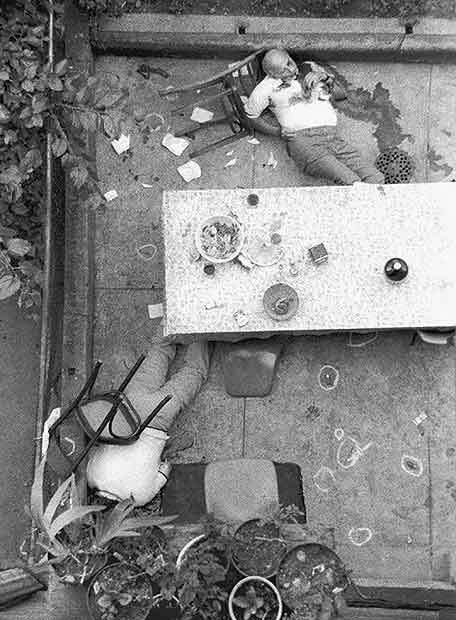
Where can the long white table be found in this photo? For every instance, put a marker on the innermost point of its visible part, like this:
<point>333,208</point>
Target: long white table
<point>362,227</point>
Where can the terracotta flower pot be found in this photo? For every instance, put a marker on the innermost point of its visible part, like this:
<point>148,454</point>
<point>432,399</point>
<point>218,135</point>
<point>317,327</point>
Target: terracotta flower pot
<point>264,584</point>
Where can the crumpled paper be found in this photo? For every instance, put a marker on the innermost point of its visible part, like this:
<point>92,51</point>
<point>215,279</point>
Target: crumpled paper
<point>201,115</point>
<point>176,145</point>
<point>189,171</point>
<point>122,144</point>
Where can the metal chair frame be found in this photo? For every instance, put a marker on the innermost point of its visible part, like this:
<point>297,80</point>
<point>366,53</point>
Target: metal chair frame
<point>232,88</point>
<point>119,403</point>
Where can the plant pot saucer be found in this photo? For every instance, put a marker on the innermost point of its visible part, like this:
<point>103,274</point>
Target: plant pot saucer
<point>281,302</point>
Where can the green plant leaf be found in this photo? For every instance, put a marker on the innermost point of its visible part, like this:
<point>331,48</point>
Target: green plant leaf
<point>30,161</point>
<point>79,176</point>
<point>9,285</point>
<point>61,67</point>
<point>55,500</point>
<point>67,517</point>
<point>55,83</point>
<point>137,522</point>
<point>124,598</point>
<point>4,76</point>
<point>59,147</point>
<point>36,496</point>
<point>39,103</point>
<point>104,601</point>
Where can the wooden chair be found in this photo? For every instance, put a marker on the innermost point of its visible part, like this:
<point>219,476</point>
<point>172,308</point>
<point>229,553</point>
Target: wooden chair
<point>236,82</point>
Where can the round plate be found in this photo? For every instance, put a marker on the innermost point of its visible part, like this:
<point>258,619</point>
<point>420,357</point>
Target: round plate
<point>220,219</point>
<point>277,292</point>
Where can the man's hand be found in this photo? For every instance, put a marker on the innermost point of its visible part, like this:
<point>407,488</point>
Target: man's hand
<point>316,68</point>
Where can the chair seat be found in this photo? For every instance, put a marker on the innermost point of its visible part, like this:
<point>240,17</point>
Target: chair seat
<point>231,490</point>
<point>249,366</point>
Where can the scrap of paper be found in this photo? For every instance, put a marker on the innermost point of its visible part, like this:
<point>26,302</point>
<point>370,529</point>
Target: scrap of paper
<point>201,115</point>
<point>229,153</point>
<point>146,185</point>
<point>155,311</point>
<point>420,419</point>
<point>230,163</point>
<point>176,145</point>
<point>189,171</point>
<point>253,141</point>
<point>111,195</point>
<point>122,144</point>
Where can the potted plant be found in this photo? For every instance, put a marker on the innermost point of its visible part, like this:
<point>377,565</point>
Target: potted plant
<point>258,544</point>
<point>61,532</point>
<point>120,591</point>
<point>78,538</point>
<point>311,579</point>
<point>199,581</point>
<point>215,538</point>
<point>255,597</point>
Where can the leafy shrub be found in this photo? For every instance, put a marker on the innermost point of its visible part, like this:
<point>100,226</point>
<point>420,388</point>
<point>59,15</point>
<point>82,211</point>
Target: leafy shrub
<point>35,99</point>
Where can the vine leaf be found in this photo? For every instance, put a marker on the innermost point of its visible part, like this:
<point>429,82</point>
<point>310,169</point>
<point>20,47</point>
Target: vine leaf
<point>59,147</point>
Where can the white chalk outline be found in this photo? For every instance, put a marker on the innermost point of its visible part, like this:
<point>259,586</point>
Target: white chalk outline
<point>336,381</point>
<point>355,454</point>
<point>415,460</point>
<point>359,529</point>
<point>329,471</point>
<point>147,245</point>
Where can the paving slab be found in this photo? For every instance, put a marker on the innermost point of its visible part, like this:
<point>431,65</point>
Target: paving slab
<point>441,154</point>
<point>382,387</point>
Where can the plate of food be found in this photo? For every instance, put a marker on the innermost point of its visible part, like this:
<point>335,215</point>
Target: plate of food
<point>219,238</point>
<point>281,302</point>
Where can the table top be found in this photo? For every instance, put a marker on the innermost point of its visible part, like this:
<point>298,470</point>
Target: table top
<point>362,227</point>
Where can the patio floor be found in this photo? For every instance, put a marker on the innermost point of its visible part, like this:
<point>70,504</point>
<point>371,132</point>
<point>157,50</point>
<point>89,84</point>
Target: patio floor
<point>383,386</point>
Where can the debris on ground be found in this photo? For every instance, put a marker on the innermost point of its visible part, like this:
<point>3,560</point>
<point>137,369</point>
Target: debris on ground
<point>146,185</point>
<point>111,195</point>
<point>230,163</point>
<point>155,311</point>
<point>201,115</point>
<point>253,141</point>
<point>189,171</point>
<point>229,153</point>
<point>272,161</point>
<point>176,145</point>
<point>146,71</point>
<point>122,144</point>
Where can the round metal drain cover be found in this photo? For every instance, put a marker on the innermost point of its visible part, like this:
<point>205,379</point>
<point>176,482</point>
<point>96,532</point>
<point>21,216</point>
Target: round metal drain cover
<point>396,165</point>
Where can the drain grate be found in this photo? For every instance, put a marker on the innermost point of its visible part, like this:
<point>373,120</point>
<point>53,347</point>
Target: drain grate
<point>396,165</point>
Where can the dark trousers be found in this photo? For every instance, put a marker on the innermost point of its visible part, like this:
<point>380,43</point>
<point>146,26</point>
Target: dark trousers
<point>321,153</point>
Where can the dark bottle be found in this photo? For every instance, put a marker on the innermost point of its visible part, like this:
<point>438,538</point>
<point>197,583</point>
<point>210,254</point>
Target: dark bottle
<point>396,269</point>
<point>209,269</point>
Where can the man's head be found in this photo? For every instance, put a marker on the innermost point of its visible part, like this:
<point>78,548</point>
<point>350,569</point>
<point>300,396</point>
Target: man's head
<point>277,63</point>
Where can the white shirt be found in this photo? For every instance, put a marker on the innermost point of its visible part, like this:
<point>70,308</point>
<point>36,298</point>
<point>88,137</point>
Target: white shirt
<point>130,471</point>
<point>291,109</point>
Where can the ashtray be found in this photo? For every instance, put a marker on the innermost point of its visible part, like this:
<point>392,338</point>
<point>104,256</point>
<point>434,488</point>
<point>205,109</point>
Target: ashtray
<point>281,302</point>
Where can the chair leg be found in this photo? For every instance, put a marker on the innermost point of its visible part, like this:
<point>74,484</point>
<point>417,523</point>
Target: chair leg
<point>219,143</point>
